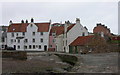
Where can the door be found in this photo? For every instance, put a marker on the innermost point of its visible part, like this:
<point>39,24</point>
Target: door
<point>15,47</point>
<point>45,48</point>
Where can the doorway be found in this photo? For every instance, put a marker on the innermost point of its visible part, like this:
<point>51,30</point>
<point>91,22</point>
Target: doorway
<point>45,47</point>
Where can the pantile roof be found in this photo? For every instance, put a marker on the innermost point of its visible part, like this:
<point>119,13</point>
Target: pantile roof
<point>22,27</point>
<point>81,40</point>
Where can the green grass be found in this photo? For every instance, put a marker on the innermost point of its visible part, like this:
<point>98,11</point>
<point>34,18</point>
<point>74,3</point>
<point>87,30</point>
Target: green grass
<point>68,59</point>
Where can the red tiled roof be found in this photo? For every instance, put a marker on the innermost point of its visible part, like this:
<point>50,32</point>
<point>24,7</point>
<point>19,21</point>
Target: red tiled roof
<point>43,27</point>
<point>60,29</point>
<point>70,27</point>
<point>81,40</point>
<point>21,27</point>
<point>57,29</point>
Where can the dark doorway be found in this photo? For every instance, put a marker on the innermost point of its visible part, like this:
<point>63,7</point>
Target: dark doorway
<point>15,47</point>
<point>45,48</point>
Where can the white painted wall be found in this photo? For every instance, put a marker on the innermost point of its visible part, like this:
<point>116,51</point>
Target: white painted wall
<point>0,37</point>
<point>59,43</point>
<point>74,32</point>
<point>29,36</point>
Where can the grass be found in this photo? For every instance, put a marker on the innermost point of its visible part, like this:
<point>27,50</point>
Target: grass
<point>68,59</point>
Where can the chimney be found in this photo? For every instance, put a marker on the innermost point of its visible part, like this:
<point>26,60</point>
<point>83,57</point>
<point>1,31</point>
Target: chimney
<point>22,21</point>
<point>77,20</point>
<point>50,21</point>
<point>10,22</point>
<point>99,24</point>
<point>32,20</point>
<point>26,21</point>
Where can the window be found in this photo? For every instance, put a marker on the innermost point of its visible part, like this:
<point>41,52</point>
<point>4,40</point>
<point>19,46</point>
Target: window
<point>33,46</point>
<point>39,46</point>
<point>83,34</point>
<point>16,34</point>
<point>11,40</point>
<point>33,40</point>
<point>41,40</point>
<point>30,46</point>
<point>50,46</point>
<point>25,47</point>
<point>41,33</point>
<point>26,41</point>
<point>66,42</point>
<point>53,40</point>
<point>34,33</point>
<point>12,34</point>
<point>23,33</point>
<point>53,34</point>
<point>3,39</point>
<point>18,41</point>
<point>18,47</point>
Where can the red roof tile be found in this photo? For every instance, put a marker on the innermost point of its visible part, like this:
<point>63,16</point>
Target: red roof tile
<point>70,27</point>
<point>57,29</point>
<point>81,40</point>
<point>60,29</point>
<point>21,27</point>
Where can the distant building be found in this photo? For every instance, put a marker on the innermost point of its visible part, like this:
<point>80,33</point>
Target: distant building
<point>102,30</point>
<point>3,37</point>
<point>26,36</point>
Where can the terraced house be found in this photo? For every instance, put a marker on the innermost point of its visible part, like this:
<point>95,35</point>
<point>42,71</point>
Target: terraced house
<point>26,36</point>
<point>65,34</point>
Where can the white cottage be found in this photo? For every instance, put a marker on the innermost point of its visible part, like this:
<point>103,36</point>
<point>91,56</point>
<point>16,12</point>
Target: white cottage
<point>28,36</point>
<point>72,31</point>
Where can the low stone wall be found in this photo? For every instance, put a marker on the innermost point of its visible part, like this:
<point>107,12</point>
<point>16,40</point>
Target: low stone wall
<point>14,54</point>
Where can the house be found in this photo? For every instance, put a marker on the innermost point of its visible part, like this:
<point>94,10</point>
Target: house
<point>102,30</point>
<point>78,45</point>
<point>88,43</point>
<point>3,37</point>
<point>65,34</point>
<point>54,37</point>
<point>72,31</point>
<point>26,36</point>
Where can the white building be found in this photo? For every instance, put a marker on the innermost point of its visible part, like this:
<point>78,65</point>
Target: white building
<point>28,36</point>
<point>3,37</point>
<point>71,32</point>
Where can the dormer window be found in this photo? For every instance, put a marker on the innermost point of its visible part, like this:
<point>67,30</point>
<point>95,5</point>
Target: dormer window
<point>13,29</point>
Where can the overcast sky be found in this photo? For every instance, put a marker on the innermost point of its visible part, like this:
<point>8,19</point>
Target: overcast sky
<point>89,13</point>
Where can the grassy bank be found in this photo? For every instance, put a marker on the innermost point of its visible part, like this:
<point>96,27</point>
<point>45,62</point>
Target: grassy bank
<point>68,59</point>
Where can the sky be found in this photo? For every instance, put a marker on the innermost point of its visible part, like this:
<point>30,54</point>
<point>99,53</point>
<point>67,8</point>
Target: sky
<point>90,13</point>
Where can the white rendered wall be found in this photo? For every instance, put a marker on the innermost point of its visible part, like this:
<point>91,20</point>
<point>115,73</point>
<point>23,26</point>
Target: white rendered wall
<point>29,36</point>
<point>74,32</point>
<point>59,43</point>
